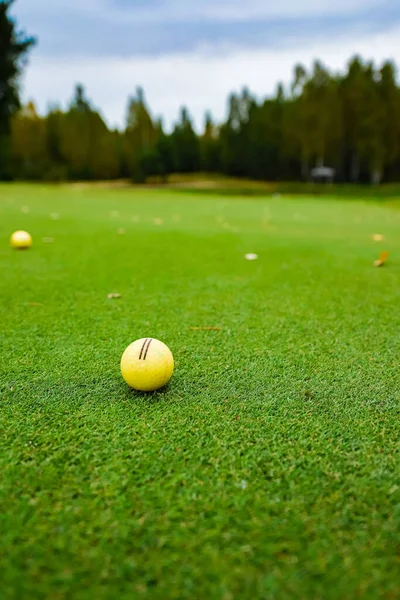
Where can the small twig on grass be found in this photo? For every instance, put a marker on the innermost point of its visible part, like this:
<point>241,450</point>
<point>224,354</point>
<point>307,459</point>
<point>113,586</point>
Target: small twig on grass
<point>206,328</point>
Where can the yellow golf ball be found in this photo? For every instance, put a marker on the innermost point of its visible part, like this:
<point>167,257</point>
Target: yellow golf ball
<point>21,240</point>
<point>147,365</point>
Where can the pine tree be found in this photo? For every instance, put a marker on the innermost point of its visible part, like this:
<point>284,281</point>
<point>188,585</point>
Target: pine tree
<point>14,46</point>
<point>186,144</point>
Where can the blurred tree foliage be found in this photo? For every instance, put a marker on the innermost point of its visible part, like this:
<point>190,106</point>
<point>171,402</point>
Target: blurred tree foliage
<point>14,46</point>
<point>348,121</point>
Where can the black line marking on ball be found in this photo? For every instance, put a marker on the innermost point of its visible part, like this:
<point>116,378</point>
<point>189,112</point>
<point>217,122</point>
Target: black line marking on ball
<point>141,352</point>
<point>147,349</point>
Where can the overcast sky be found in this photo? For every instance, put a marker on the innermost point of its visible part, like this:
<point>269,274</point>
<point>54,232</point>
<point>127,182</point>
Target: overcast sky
<point>192,52</point>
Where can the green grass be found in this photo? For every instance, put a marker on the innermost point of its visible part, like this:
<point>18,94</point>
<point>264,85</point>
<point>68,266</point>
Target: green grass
<point>269,468</point>
<point>215,183</point>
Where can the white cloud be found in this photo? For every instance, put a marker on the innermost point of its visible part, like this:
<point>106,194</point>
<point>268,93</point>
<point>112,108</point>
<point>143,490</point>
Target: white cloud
<point>207,10</point>
<point>222,10</point>
<point>48,6</point>
<point>200,80</point>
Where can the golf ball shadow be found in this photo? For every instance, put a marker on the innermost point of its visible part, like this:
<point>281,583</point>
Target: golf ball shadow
<point>147,397</point>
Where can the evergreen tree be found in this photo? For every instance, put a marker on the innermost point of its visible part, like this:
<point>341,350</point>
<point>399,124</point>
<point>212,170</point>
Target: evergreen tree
<point>186,144</point>
<point>82,139</point>
<point>29,148</point>
<point>234,135</point>
<point>165,149</point>
<point>14,46</point>
<point>389,99</point>
<point>140,137</point>
<point>210,149</point>
<point>354,96</point>
<point>349,121</point>
<point>58,167</point>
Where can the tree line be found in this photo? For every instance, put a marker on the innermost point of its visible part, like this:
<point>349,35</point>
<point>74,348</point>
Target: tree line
<point>349,121</point>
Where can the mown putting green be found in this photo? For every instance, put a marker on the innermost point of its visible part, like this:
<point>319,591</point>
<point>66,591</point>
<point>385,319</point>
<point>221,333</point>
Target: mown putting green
<point>269,467</point>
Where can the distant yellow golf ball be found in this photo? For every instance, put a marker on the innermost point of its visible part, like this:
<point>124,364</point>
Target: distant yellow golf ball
<point>21,240</point>
<point>147,365</point>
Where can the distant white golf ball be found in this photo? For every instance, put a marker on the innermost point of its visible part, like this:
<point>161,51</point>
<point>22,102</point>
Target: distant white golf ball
<point>251,256</point>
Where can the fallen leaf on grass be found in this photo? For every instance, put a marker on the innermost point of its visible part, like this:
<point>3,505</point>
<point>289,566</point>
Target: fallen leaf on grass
<point>377,237</point>
<point>381,260</point>
<point>206,328</point>
<point>113,296</point>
